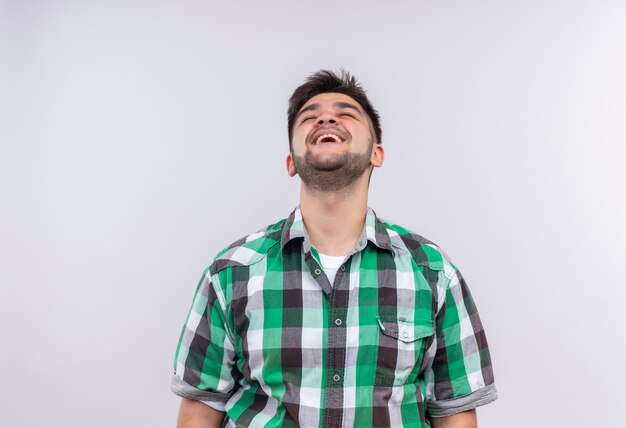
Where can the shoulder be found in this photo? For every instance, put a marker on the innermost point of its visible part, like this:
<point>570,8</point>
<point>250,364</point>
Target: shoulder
<point>424,251</point>
<point>248,250</point>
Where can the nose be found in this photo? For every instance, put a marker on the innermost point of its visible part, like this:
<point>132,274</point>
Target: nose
<point>326,118</point>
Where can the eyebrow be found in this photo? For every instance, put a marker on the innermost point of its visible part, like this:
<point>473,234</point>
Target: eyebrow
<point>339,104</point>
<point>310,107</point>
<point>342,104</point>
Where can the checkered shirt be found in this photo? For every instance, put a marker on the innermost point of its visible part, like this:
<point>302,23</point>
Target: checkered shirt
<point>393,342</point>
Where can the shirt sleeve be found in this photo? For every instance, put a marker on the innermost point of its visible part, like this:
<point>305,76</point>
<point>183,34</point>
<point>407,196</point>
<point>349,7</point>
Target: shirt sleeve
<point>460,376</point>
<point>204,365</point>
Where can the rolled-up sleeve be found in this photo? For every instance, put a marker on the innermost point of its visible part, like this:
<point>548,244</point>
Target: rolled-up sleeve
<point>460,376</point>
<point>205,357</point>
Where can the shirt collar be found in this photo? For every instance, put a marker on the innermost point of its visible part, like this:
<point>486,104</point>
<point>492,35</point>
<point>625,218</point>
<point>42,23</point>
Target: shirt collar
<point>373,231</point>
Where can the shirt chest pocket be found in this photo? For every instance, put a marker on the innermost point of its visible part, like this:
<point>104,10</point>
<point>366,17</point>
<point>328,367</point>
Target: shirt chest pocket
<point>401,347</point>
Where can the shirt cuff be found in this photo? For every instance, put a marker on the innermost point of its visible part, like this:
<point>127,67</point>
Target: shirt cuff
<point>217,405</point>
<point>215,400</point>
<point>441,408</point>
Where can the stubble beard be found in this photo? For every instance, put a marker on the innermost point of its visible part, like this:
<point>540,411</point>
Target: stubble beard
<point>334,174</point>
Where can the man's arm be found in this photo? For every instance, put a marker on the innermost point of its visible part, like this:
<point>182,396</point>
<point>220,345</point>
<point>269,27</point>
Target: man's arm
<point>195,414</point>
<point>460,420</point>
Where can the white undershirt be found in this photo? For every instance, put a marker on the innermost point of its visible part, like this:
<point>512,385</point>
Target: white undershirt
<point>331,265</point>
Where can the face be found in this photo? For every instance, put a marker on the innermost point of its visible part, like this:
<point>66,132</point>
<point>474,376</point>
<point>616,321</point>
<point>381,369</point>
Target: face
<point>333,143</point>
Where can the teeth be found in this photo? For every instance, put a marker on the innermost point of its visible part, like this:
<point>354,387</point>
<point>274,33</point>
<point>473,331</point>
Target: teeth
<point>333,136</point>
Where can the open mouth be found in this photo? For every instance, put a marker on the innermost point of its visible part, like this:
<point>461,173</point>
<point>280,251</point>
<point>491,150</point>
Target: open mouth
<point>328,138</point>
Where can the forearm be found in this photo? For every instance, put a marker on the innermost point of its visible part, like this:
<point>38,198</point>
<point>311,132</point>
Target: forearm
<point>195,414</point>
<point>460,420</point>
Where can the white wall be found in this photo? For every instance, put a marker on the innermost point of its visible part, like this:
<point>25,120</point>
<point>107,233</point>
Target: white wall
<point>140,137</point>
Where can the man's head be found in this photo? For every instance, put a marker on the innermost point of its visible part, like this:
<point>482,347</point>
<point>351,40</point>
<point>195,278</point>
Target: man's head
<point>334,139</point>
<point>326,81</point>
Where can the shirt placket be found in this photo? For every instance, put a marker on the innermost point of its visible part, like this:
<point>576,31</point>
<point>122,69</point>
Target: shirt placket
<point>338,296</point>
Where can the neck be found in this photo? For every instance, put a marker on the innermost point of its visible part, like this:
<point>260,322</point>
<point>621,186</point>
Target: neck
<point>334,220</point>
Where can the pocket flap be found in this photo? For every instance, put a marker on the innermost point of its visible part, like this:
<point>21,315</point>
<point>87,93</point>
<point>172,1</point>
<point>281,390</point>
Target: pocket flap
<point>405,330</point>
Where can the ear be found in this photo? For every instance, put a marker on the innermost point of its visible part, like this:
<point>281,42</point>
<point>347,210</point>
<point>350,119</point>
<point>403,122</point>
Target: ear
<point>291,167</point>
<point>378,156</point>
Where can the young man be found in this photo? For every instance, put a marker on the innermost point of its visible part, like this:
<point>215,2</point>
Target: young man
<point>332,317</point>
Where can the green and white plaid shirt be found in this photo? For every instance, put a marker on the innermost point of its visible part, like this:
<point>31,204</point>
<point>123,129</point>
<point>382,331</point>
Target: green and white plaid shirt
<point>394,341</point>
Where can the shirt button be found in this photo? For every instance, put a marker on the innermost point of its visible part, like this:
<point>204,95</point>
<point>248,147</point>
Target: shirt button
<point>336,378</point>
<point>338,321</point>
<point>317,271</point>
<point>343,268</point>
<point>405,334</point>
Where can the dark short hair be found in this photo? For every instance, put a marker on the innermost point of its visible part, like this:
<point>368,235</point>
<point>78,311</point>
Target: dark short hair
<point>325,81</point>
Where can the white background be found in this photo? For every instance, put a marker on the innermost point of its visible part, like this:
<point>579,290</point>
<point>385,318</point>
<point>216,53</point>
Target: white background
<point>138,138</point>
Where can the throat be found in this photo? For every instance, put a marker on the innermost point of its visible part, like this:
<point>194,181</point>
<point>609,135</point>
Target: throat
<point>334,230</point>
